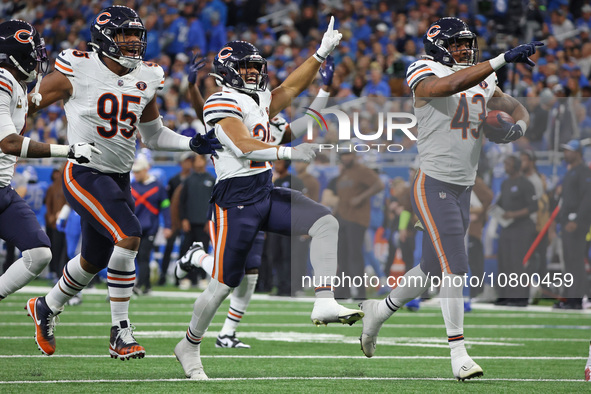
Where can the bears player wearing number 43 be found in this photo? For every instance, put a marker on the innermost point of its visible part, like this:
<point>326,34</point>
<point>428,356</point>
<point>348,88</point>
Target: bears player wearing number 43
<point>451,96</point>
<point>109,94</point>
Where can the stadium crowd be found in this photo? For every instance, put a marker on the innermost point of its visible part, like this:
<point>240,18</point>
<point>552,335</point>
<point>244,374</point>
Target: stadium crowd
<point>380,40</point>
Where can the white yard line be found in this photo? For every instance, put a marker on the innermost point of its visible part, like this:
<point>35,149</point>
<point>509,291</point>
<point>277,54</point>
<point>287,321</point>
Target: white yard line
<point>283,378</point>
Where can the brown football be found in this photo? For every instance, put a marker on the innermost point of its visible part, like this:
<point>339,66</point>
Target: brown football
<point>491,121</point>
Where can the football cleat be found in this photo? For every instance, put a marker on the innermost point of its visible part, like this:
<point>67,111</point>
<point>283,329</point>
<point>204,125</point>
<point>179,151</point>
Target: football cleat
<point>123,345</point>
<point>185,264</point>
<point>371,327</point>
<point>327,310</point>
<point>190,359</point>
<point>45,321</point>
<point>587,373</point>
<point>230,341</point>
<point>465,368</point>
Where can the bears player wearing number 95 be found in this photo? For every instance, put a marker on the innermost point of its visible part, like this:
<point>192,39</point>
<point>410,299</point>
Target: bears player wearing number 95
<point>109,94</point>
<point>452,94</point>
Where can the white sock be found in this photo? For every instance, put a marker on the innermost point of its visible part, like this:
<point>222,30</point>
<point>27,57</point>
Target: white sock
<point>120,282</point>
<point>452,308</point>
<point>410,286</point>
<point>589,359</point>
<point>24,270</point>
<point>205,308</point>
<point>323,254</point>
<point>73,280</point>
<point>239,300</point>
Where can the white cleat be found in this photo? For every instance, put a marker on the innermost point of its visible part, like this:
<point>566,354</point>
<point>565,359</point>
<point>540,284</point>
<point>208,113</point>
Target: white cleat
<point>465,368</point>
<point>190,360</point>
<point>185,264</point>
<point>328,310</point>
<point>371,327</point>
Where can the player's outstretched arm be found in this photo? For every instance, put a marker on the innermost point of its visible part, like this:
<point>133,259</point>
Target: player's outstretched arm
<point>233,134</point>
<point>303,76</point>
<point>17,145</point>
<point>466,78</point>
<point>54,87</point>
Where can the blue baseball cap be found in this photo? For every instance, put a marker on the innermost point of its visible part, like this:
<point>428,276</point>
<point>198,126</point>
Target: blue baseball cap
<point>572,145</point>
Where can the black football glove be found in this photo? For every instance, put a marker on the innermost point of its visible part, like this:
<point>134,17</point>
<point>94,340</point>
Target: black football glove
<point>205,144</point>
<point>508,132</point>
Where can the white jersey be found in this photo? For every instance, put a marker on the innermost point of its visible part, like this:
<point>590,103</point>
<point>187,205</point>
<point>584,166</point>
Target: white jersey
<point>13,115</point>
<point>255,116</point>
<point>105,108</point>
<point>449,140</point>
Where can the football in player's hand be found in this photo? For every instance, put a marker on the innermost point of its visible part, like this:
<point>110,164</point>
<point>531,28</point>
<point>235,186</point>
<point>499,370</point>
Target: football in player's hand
<point>491,122</point>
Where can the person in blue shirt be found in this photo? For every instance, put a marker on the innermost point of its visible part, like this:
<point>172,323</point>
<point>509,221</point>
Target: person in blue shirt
<point>151,201</point>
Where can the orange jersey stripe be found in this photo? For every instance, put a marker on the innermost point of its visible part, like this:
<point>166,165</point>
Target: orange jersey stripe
<point>417,73</point>
<point>58,65</point>
<point>6,86</point>
<point>222,105</point>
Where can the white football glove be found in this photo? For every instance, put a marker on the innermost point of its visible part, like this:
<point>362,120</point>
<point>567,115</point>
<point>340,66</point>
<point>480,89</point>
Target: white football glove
<point>330,40</point>
<point>82,152</point>
<point>278,126</point>
<point>304,152</point>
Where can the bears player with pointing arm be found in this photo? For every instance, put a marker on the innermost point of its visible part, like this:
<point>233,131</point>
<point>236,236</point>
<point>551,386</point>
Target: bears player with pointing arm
<point>22,52</point>
<point>452,94</point>
<point>109,96</point>
<point>244,200</point>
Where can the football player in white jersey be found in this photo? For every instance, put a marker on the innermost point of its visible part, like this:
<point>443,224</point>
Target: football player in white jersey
<point>244,200</point>
<point>22,52</point>
<point>452,94</point>
<point>108,94</point>
<point>281,132</point>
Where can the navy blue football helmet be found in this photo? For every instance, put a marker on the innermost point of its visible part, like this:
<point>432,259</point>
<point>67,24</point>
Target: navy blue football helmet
<point>231,63</point>
<point>22,47</point>
<point>110,32</point>
<point>443,38</point>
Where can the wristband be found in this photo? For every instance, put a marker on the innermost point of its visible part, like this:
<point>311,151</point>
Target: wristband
<point>522,124</point>
<point>284,153</point>
<point>403,220</point>
<point>498,62</point>
<point>25,146</point>
<point>319,58</point>
<point>59,150</point>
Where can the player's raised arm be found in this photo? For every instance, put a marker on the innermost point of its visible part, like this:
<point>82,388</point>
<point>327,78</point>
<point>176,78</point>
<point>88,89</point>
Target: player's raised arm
<point>303,76</point>
<point>197,101</point>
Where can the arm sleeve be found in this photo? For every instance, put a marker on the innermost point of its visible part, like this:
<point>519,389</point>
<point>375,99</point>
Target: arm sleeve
<point>300,125</point>
<point>159,137</point>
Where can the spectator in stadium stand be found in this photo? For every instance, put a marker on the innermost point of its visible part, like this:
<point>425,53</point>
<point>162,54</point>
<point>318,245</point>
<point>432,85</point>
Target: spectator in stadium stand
<point>518,200</point>
<point>575,220</point>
